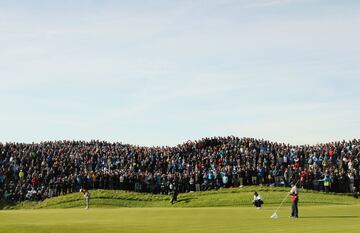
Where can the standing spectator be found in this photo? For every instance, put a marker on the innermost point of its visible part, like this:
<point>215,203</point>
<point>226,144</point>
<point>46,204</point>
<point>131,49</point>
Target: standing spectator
<point>327,183</point>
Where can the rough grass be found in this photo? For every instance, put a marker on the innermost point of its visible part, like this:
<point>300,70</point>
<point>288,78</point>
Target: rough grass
<point>234,197</point>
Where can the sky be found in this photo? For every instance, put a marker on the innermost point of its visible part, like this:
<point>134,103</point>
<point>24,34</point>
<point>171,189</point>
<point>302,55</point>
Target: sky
<point>164,72</point>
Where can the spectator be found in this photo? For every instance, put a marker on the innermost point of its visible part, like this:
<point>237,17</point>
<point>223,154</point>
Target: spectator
<point>327,183</point>
<point>57,168</point>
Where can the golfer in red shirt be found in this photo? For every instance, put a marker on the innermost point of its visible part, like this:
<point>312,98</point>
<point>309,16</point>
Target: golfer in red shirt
<point>294,195</point>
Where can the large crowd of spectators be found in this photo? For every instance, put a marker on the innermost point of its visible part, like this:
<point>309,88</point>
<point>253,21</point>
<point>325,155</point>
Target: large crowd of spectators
<point>40,170</point>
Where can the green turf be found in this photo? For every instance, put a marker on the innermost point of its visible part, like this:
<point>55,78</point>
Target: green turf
<point>234,197</point>
<point>226,210</point>
<point>337,218</point>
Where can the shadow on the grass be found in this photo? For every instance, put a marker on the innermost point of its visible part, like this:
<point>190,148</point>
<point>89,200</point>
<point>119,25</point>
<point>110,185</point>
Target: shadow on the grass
<point>340,216</point>
<point>186,200</point>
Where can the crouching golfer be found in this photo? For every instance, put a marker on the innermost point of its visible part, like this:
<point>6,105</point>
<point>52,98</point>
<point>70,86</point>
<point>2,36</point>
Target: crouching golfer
<point>294,195</point>
<point>257,200</point>
<point>87,197</point>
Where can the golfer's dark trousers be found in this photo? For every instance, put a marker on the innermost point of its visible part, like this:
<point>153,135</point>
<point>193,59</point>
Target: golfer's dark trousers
<point>294,209</point>
<point>257,203</point>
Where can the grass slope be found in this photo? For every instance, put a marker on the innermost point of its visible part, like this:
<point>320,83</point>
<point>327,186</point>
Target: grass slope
<point>235,197</point>
<point>319,212</point>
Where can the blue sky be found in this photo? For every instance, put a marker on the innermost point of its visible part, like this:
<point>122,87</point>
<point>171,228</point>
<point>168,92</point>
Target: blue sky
<point>163,72</point>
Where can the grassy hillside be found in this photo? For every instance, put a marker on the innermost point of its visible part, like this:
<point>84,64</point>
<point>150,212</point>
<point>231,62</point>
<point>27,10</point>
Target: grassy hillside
<point>235,197</point>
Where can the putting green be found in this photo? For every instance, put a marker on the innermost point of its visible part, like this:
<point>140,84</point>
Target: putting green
<point>331,218</point>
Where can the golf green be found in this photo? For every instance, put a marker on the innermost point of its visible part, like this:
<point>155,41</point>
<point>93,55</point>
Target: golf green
<point>331,218</point>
